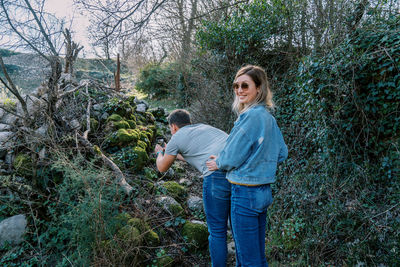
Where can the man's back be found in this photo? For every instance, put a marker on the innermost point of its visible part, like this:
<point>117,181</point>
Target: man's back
<point>196,143</point>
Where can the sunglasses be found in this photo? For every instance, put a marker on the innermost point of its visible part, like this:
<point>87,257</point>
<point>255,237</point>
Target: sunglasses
<point>244,86</point>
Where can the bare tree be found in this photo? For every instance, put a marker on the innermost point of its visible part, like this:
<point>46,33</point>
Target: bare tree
<point>113,20</point>
<point>72,50</point>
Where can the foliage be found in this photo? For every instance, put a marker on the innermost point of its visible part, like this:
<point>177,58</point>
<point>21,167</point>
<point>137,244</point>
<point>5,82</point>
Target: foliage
<point>158,80</point>
<point>355,92</point>
<point>83,214</point>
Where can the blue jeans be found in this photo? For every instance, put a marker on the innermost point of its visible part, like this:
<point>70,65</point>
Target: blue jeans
<point>248,216</point>
<point>217,202</point>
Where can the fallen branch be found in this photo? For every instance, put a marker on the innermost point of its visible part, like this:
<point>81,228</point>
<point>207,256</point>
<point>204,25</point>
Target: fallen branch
<point>96,150</point>
<point>118,173</point>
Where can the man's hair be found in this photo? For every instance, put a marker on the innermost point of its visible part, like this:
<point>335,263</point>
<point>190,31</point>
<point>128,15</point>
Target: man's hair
<point>179,117</point>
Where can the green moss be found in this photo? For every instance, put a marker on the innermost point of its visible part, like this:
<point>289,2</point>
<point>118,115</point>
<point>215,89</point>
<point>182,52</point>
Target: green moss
<point>122,219</point>
<point>123,136</point>
<point>139,224</point>
<point>94,124</point>
<point>150,237</point>
<point>142,144</point>
<point>133,117</point>
<point>121,124</point>
<point>97,150</point>
<point>175,209</point>
<point>120,107</point>
<point>132,124</point>
<point>150,117</point>
<point>130,234</point>
<point>23,165</point>
<point>141,158</point>
<point>114,117</point>
<point>196,234</point>
<point>164,261</point>
<point>175,190</point>
<point>10,104</point>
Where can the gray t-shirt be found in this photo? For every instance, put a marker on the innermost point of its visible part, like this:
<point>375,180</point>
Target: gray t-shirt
<point>196,143</point>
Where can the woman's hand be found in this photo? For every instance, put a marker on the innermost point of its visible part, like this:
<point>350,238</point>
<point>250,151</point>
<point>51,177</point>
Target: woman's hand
<point>211,164</point>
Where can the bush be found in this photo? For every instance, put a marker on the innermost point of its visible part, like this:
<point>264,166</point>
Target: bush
<point>158,80</point>
<point>355,92</point>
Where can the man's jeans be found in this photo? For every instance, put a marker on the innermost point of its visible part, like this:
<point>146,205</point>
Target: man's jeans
<point>248,215</point>
<point>217,202</point>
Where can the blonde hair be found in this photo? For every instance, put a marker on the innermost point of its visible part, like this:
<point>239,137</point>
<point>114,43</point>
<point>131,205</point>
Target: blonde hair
<point>259,77</point>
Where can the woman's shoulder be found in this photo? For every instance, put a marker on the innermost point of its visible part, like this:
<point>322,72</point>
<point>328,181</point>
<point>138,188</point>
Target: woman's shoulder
<point>257,111</point>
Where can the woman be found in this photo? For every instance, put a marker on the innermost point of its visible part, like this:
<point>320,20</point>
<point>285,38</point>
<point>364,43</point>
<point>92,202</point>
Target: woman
<point>252,151</point>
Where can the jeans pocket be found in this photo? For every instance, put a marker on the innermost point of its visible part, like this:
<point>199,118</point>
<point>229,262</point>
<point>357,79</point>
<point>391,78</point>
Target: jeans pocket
<point>261,198</point>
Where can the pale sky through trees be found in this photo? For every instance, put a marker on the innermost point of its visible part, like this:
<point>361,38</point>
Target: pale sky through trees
<point>65,9</point>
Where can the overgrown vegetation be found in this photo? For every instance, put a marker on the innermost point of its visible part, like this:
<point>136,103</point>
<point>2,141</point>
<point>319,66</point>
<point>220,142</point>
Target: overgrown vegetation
<point>336,84</point>
<point>336,199</point>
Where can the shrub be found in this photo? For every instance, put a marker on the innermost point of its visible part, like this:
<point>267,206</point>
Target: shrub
<point>158,80</point>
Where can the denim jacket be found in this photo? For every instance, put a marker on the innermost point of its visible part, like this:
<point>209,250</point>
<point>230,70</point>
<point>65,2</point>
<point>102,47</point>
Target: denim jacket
<point>253,149</point>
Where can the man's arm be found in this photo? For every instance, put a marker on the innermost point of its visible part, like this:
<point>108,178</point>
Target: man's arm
<point>164,161</point>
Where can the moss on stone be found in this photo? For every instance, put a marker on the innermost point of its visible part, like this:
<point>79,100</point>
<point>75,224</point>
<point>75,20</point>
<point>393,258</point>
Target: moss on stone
<point>175,190</point>
<point>114,117</point>
<point>152,239</point>
<point>150,117</point>
<point>149,236</point>
<point>142,144</point>
<point>175,209</point>
<point>122,219</point>
<point>164,261</point>
<point>94,124</point>
<point>132,124</point>
<point>196,234</point>
<point>123,136</point>
<point>122,124</point>
<point>130,234</point>
<point>141,158</point>
<point>97,150</point>
<point>23,165</point>
<point>133,117</point>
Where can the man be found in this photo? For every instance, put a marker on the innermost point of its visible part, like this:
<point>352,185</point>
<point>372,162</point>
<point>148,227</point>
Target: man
<point>195,143</point>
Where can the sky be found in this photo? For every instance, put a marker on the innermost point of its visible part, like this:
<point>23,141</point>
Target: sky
<point>65,9</point>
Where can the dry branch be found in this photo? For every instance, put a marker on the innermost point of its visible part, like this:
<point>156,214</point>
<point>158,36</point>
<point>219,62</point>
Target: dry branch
<point>118,173</point>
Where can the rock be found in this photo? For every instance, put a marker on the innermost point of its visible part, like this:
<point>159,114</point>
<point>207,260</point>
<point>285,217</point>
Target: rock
<point>196,233</point>
<point>170,205</point>
<point>1,113</point>
<point>98,107</point>
<point>5,142</point>
<point>74,124</point>
<point>5,137</point>
<point>84,82</point>
<point>195,203</point>
<point>177,191</point>
<point>184,181</point>
<point>104,116</point>
<point>141,108</point>
<point>42,153</point>
<point>4,127</point>
<point>65,78</point>
<point>42,130</point>
<point>231,248</point>
<point>33,104</point>
<point>9,158</point>
<point>9,119</point>
<point>13,229</point>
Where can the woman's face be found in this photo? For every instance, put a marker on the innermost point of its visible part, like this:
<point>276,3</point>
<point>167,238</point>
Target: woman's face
<point>245,89</point>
